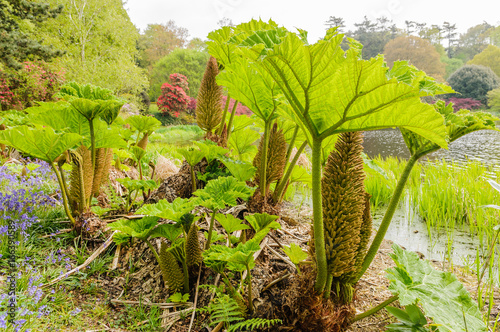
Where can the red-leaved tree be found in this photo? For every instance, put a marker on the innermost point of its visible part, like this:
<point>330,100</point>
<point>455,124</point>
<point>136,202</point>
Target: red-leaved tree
<point>173,98</point>
<point>464,103</point>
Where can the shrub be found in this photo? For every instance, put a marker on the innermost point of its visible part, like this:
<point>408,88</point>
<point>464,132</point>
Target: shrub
<point>473,81</point>
<point>494,100</point>
<point>36,81</point>
<point>173,100</point>
<point>191,107</point>
<point>464,103</point>
<point>179,80</point>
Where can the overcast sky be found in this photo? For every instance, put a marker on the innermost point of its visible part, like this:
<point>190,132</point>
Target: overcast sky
<point>201,16</point>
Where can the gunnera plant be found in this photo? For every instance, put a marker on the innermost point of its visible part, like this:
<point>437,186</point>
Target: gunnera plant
<point>270,164</point>
<point>346,217</point>
<point>209,104</point>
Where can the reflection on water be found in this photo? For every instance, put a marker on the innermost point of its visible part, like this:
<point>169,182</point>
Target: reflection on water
<point>482,145</point>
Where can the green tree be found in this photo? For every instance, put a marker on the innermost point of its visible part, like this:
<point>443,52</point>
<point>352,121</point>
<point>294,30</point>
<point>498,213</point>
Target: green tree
<point>473,41</point>
<point>100,44</point>
<point>373,35</point>
<point>17,19</point>
<point>490,57</point>
<point>451,65</point>
<point>494,100</point>
<point>188,62</point>
<point>419,52</point>
<point>494,35</point>
<point>158,40</point>
<point>473,81</point>
<point>450,34</point>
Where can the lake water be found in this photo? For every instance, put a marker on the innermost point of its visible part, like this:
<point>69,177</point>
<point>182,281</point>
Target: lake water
<point>407,228</point>
<point>482,145</point>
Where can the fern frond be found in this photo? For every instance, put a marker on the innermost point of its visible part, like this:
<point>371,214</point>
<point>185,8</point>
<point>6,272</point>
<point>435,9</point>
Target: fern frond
<point>254,323</point>
<point>224,309</point>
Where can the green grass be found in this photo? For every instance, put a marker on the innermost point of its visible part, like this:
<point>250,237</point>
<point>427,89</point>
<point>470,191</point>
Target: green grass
<point>446,195</point>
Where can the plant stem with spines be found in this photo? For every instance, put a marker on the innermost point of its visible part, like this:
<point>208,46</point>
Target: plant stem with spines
<point>386,221</point>
<point>263,160</point>
<point>224,114</point>
<point>212,220</point>
<point>375,309</point>
<point>278,193</point>
<point>231,118</point>
<point>63,194</point>
<point>318,227</point>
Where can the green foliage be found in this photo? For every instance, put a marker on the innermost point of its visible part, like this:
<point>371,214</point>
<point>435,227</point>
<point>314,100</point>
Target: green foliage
<point>494,100</point>
<point>457,125</point>
<point>17,44</point>
<point>73,90</point>
<point>223,309</point>
<point>473,81</point>
<point>41,143</point>
<point>262,223</point>
<point>166,210</point>
<point>193,156</point>
<point>221,192</point>
<point>211,150</point>
<point>138,228</point>
<point>243,145</point>
<point>179,298</point>
<point>168,231</point>
<point>411,319</point>
<point>230,223</point>
<point>138,185</point>
<point>241,170</point>
<point>489,57</point>
<point>440,294</point>
<point>254,323</point>
<point>451,65</point>
<point>143,124</point>
<point>188,62</point>
<point>295,253</point>
<point>100,43</point>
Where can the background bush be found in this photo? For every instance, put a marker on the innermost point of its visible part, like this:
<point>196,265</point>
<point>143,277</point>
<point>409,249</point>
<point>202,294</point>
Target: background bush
<point>473,81</point>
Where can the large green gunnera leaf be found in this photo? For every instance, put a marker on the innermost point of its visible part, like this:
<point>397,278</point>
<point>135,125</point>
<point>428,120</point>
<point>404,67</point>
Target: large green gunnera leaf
<point>457,125</point>
<point>331,91</point>
<point>44,143</point>
<point>440,294</point>
<point>221,192</point>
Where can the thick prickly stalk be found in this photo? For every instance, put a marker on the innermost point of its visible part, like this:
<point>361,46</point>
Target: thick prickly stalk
<point>104,156</point>
<point>276,157</point>
<point>172,273</point>
<point>209,102</point>
<point>81,178</point>
<point>344,202</point>
<point>193,250</point>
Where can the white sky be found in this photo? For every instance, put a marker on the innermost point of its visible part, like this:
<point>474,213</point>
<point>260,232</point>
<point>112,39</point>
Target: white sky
<point>201,16</point>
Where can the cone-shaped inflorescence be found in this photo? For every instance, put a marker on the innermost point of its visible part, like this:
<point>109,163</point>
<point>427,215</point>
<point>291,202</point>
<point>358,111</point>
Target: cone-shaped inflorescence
<point>193,250</point>
<point>276,157</point>
<point>209,102</point>
<point>346,218</point>
<point>103,159</point>
<point>172,273</point>
<point>143,143</point>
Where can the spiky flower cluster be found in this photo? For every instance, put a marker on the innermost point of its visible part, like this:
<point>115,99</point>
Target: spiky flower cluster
<point>346,208</point>
<point>209,104</point>
<point>276,156</point>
